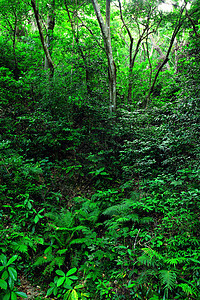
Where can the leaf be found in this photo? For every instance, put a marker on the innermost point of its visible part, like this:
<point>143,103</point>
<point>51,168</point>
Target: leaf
<point>13,296</point>
<point>13,273</point>
<point>71,271</point>
<point>49,291</point>
<point>5,275</point>
<point>168,278</point>
<point>74,295</point>
<point>60,281</point>
<point>1,268</point>
<point>175,261</point>
<point>3,259</point>
<point>12,259</point>
<point>79,286</point>
<point>187,289</point>
<point>62,251</point>
<point>11,283</point>
<point>6,296</point>
<point>67,295</point>
<point>21,294</point>
<point>68,282</point>
<point>73,277</point>
<point>36,219</point>
<point>3,284</point>
<point>61,273</point>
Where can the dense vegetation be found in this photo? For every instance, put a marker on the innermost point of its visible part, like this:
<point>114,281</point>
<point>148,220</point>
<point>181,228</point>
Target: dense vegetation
<point>99,194</point>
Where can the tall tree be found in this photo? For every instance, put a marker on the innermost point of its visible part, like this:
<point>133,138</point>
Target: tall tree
<point>50,29</point>
<point>105,30</point>
<point>143,16</point>
<point>44,44</point>
<point>12,14</point>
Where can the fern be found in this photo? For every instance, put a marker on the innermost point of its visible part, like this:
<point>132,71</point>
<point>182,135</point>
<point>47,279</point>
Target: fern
<point>63,219</point>
<point>146,260</point>
<point>187,289</point>
<point>115,210</point>
<point>175,261</point>
<point>151,253</point>
<point>146,220</point>
<point>168,279</point>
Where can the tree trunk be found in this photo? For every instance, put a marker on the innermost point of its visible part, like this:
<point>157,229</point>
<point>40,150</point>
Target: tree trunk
<point>105,30</point>
<point>158,49</point>
<point>76,39</point>
<point>44,45</point>
<point>175,32</point>
<point>50,28</point>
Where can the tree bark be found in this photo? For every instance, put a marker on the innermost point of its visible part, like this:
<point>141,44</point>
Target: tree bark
<point>50,28</point>
<point>105,30</point>
<point>44,45</point>
<point>158,49</point>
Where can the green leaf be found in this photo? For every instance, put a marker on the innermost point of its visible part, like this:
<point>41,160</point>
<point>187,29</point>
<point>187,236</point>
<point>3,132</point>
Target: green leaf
<point>60,281</point>
<point>21,294</point>
<point>187,289</point>
<point>11,283</point>
<point>12,273</point>
<point>3,259</point>
<point>62,251</point>
<point>168,278</point>
<point>79,286</point>
<point>71,271</point>
<point>36,219</point>
<point>67,295</point>
<point>73,277</point>
<point>12,259</point>
<point>6,296</point>
<point>3,284</point>
<point>68,281</point>
<point>61,273</point>
<point>74,295</point>
<point>50,291</point>
<point>13,296</point>
<point>5,275</point>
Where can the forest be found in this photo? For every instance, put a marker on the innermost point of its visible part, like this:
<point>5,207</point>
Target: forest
<point>100,149</point>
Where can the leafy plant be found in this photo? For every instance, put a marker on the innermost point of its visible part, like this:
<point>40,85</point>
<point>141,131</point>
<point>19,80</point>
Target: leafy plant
<point>8,279</point>
<point>64,287</point>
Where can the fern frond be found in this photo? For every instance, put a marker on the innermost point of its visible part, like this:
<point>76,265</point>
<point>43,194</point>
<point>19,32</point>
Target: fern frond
<point>131,217</point>
<point>151,253</point>
<point>63,219</point>
<point>146,220</point>
<point>187,289</point>
<point>175,260</point>
<point>168,279</point>
<point>147,274</point>
<point>146,260</point>
<point>115,210</point>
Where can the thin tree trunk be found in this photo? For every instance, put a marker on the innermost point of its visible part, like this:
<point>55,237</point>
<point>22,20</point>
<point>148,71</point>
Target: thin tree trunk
<point>176,30</point>
<point>50,28</point>
<point>158,49</point>
<point>105,30</point>
<point>44,45</point>
<point>76,38</point>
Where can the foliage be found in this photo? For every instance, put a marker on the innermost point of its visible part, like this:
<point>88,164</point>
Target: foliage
<point>106,205</point>
<point>8,279</point>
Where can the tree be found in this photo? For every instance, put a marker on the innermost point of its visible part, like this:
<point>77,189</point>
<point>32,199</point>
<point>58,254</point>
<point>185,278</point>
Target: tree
<point>146,11</point>
<point>50,28</point>
<point>105,30</point>
<point>12,17</point>
<point>46,47</point>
